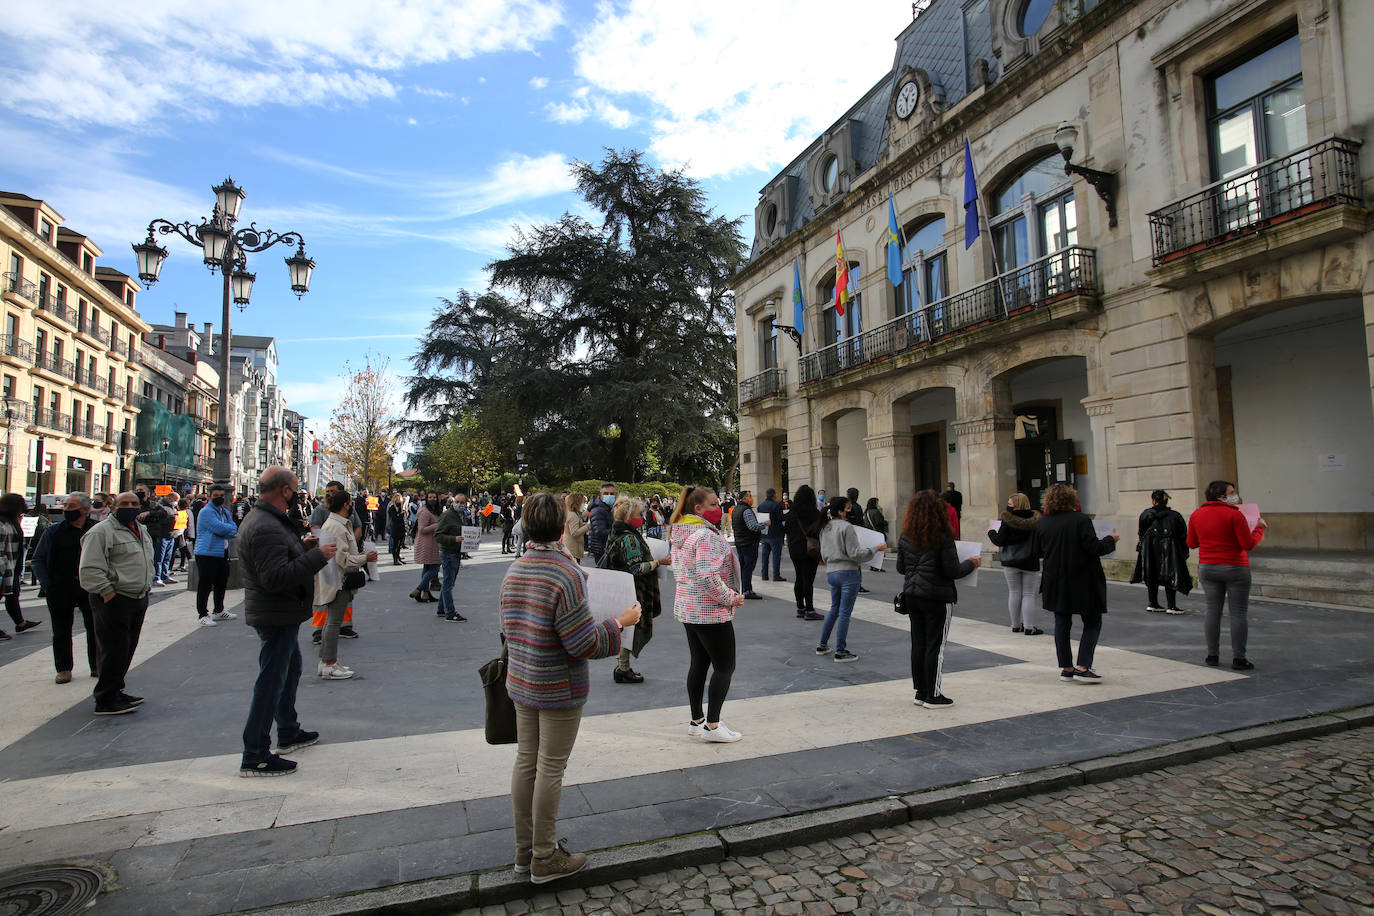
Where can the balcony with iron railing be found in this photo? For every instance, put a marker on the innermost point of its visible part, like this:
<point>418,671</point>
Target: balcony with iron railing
<point>119,348</point>
<point>115,394</point>
<point>89,328</point>
<point>51,419</point>
<point>16,349</point>
<point>54,364</point>
<point>1060,286</point>
<point>88,429</point>
<point>91,380</point>
<point>16,411</point>
<point>767,384</point>
<point>14,283</point>
<point>56,308</point>
<point>1304,199</point>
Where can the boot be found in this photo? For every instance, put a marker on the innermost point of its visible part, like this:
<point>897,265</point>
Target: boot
<point>416,595</point>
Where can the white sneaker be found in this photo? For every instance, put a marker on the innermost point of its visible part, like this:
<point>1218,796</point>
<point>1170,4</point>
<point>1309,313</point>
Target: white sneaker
<point>224,615</point>
<point>694,728</point>
<point>208,622</point>
<point>722,734</point>
<point>335,672</point>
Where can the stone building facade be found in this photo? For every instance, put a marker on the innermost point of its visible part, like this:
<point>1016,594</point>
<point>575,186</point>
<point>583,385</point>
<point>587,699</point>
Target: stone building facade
<point>1199,306</point>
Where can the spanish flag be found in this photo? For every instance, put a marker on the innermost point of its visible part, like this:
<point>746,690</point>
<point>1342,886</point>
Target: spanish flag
<point>841,276</point>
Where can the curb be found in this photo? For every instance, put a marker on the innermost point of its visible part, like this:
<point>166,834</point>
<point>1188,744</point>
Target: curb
<point>445,895</point>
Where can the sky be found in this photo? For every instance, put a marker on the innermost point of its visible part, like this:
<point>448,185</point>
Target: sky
<point>405,139</point>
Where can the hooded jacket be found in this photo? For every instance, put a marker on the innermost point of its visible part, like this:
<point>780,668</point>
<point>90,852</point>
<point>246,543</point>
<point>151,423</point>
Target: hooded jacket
<point>1162,551</point>
<point>707,584</point>
<point>1018,527</point>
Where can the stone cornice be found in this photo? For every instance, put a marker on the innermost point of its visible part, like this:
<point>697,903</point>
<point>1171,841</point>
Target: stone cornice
<point>983,425</point>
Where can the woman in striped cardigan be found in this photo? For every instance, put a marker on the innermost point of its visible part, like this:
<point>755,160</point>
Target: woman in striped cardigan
<point>550,634</point>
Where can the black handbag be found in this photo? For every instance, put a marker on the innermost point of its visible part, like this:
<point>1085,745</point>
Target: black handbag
<point>354,579</point>
<point>1020,552</point>
<point>899,603</point>
<point>500,720</point>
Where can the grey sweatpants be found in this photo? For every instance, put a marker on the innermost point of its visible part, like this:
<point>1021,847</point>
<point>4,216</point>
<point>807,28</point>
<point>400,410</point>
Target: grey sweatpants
<point>329,641</point>
<point>1222,584</point>
<point>1023,589</point>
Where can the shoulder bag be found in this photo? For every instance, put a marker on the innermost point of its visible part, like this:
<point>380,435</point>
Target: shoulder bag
<point>500,718</point>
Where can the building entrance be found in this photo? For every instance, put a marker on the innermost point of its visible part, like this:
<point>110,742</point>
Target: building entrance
<point>929,466</point>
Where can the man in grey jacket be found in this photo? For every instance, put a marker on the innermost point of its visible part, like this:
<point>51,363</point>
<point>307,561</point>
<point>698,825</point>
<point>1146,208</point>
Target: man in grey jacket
<point>116,569</point>
<point>278,587</point>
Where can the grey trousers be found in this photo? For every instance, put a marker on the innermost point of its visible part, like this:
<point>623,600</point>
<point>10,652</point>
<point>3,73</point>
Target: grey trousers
<point>1222,584</point>
<point>329,640</point>
<point>1022,595</point>
<point>546,739</point>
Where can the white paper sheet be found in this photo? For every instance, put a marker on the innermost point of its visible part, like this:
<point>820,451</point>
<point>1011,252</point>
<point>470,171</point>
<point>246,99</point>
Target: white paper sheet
<point>967,550</point>
<point>875,540</point>
<point>609,592</point>
<point>472,538</point>
<point>1251,512</point>
<point>659,549</point>
<point>1103,527</point>
<point>330,574</point>
<point>994,524</point>
<point>372,575</point>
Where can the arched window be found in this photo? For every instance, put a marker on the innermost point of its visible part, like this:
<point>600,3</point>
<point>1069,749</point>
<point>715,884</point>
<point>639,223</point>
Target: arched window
<point>1032,214</point>
<point>1033,15</point>
<point>836,327</point>
<point>925,267</point>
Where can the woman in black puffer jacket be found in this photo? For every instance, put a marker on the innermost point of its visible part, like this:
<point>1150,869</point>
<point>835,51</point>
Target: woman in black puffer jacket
<point>1019,563</point>
<point>929,564</point>
<point>803,522</point>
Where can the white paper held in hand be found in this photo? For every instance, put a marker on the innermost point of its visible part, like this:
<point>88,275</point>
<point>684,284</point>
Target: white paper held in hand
<point>875,540</point>
<point>1251,512</point>
<point>609,592</point>
<point>658,549</point>
<point>372,576</point>
<point>472,538</point>
<point>330,574</point>
<point>1103,527</point>
<point>967,550</point>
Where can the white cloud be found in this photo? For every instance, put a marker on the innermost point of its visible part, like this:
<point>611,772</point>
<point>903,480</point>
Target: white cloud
<point>412,122</point>
<point>88,61</point>
<point>432,92</point>
<point>584,105</point>
<point>732,86</point>
<point>539,82</point>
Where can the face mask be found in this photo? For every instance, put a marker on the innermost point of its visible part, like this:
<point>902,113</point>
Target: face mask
<point>713,515</point>
<point>748,500</point>
<point>821,496</point>
<point>98,504</point>
<point>127,515</point>
<point>217,500</point>
<point>71,515</point>
<point>292,499</point>
<point>636,523</point>
<point>608,499</point>
<point>1233,499</point>
<point>142,497</point>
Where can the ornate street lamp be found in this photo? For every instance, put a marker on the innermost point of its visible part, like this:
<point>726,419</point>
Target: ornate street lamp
<point>225,249</point>
<point>1104,183</point>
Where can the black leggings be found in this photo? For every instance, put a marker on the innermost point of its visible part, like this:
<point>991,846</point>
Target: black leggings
<point>712,645</point>
<point>1087,643</point>
<point>805,568</point>
<point>12,606</point>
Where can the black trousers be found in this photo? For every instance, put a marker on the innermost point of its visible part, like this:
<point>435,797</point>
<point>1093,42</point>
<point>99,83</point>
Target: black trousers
<point>805,584</point>
<point>929,629</point>
<point>12,606</point>
<point>62,607</point>
<point>118,624</point>
<point>1168,593</point>
<point>211,573</point>
<point>712,645</point>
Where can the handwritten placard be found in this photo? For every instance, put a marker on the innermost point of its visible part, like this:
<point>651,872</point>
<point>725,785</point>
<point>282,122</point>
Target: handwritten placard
<point>1103,527</point>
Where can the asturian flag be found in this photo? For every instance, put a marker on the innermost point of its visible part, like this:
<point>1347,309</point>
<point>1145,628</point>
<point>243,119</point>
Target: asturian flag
<point>894,246</point>
<point>841,276</point>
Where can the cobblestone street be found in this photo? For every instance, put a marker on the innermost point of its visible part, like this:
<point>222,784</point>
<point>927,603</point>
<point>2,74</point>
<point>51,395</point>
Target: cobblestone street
<point>1278,829</point>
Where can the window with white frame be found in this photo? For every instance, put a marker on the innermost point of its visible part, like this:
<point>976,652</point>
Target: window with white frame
<point>837,327</point>
<point>925,265</point>
<point>1032,214</point>
<point>768,341</point>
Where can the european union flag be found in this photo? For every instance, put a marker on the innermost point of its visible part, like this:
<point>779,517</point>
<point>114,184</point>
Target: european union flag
<point>798,305</point>
<point>970,199</point>
<point>894,246</point>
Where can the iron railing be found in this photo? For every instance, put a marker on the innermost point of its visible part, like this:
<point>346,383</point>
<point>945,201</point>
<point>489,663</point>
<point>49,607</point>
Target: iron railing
<point>1322,175</point>
<point>116,394</point>
<point>88,429</point>
<point>766,384</point>
<point>1068,272</point>
<point>51,419</point>
<point>54,306</point>
<point>16,347</point>
<point>91,380</point>
<point>63,367</point>
<point>119,347</point>
<point>89,327</point>
<point>17,411</point>
<point>18,285</point>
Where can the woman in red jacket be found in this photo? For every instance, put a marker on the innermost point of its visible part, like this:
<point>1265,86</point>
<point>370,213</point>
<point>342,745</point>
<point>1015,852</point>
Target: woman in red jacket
<point>1223,540</point>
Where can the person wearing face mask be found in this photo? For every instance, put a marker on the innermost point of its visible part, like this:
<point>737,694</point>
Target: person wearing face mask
<point>100,507</point>
<point>1162,554</point>
<point>1020,565</point>
<point>426,549</point>
<point>1223,538</point>
<point>626,551</point>
<point>842,555</point>
<point>704,603</point>
<point>214,527</point>
<point>599,521</point>
<point>748,532</point>
<point>116,570</point>
<point>396,518</point>
<point>448,535</point>
<point>12,506</point>
<point>56,560</point>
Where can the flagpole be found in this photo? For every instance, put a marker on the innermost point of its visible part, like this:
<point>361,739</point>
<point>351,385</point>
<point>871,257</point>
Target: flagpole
<point>986,220</point>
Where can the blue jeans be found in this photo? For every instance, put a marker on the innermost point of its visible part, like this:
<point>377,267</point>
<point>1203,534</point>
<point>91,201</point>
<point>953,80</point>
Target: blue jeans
<point>772,549</point>
<point>844,588</point>
<point>274,693</point>
<point>748,559</point>
<point>428,574</point>
<point>162,558</point>
<point>449,563</point>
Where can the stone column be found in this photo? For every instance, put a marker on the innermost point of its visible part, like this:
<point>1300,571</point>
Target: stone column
<point>825,468</point>
<point>892,467</point>
<point>757,474</point>
<point>1102,474</point>
<point>1205,408</point>
<point>987,460</point>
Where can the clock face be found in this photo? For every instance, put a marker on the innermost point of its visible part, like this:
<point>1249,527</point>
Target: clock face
<point>906,99</point>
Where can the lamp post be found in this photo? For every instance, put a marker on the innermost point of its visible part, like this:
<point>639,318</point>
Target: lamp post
<point>225,249</point>
<point>166,444</point>
<point>10,412</point>
<point>1104,183</point>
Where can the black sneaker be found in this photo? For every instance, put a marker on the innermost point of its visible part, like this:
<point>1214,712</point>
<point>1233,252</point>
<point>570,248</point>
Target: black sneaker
<point>303,739</point>
<point>1066,675</point>
<point>937,701</point>
<point>26,625</point>
<point>271,765</point>
<point>316,636</point>
<point>1018,629</point>
<point>130,698</point>
<point>1213,661</point>
<point>119,707</point>
<point>846,656</point>
<point>347,633</point>
<point>862,590</point>
<point>822,650</point>
<point>1086,675</point>
<point>1241,664</point>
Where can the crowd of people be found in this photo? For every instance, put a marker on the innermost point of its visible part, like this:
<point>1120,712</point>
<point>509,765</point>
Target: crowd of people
<point>305,559</point>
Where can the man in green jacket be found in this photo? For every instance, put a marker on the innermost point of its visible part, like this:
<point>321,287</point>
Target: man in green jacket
<point>449,536</point>
<point>116,570</point>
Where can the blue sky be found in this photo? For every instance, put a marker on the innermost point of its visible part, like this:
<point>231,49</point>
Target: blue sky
<point>403,139</point>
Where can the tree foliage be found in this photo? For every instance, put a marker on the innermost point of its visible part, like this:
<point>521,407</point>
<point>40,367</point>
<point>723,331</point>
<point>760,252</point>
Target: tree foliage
<point>465,454</point>
<point>362,431</point>
<point>607,346</point>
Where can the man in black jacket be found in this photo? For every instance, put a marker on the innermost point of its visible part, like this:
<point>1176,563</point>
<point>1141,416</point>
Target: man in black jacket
<point>278,590</point>
<point>771,510</point>
<point>56,561</point>
<point>599,521</point>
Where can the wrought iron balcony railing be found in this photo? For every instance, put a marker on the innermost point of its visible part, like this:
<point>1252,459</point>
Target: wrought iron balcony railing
<point>88,429</point>
<point>51,419</point>
<point>57,308</point>
<point>14,283</point>
<point>766,384</point>
<point>91,380</point>
<point>63,367</point>
<point>16,347</point>
<point>1322,175</point>
<point>1068,272</point>
<point>88,327</point>
<point>119,348</point>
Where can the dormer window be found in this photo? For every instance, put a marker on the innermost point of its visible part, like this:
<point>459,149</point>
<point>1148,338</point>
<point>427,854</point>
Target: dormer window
<point>830,173</point>
<point>770,219</point>
<point>45,230</point>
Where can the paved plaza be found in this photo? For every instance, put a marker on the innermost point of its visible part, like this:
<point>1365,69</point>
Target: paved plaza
<point>402,788</point>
